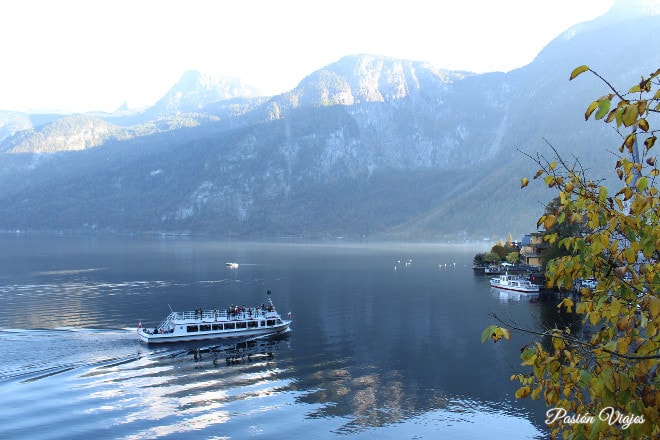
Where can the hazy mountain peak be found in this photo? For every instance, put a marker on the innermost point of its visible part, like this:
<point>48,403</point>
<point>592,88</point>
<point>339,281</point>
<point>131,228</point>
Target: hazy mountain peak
<point>635,8</point>
<point>621,11</point>
<point>622,18</point>
<point>366,78</point>
<point>225,87</point>
<point>195,90</point>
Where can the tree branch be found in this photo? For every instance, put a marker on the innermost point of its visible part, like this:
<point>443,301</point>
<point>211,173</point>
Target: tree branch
<point>574,341</point>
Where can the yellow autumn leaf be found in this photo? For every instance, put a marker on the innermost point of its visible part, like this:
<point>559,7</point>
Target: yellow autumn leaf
<point>630,115</point>
<point>566,303</point>
<point>654,306</point>
<point>523,392</point>
<point>495,333</point>
<point>578,71</point>
<point>615,307</point>
<point>622,345</point>
<point>593,106</point>
<point>549,222</point>
<point>623,323</point>
<point>540,221</point>
<point>611,116</point>
<point>524,182</point>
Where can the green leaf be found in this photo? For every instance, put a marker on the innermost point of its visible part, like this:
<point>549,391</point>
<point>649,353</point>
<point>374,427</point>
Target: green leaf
<point>596,427</point>
<point>624,397</point>
<point>603,108</point>
<point>597,386</point>
<point>487,333</point>
<point>528,356</point>
<point>609,399</point>
<point>578,71</point>
<point>585,378</point>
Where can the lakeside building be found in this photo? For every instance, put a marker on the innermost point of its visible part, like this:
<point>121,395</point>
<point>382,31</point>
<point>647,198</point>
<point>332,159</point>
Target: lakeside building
<point>531,249</point>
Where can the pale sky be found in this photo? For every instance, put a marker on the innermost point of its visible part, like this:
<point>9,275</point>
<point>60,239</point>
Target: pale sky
<point>84,55</point>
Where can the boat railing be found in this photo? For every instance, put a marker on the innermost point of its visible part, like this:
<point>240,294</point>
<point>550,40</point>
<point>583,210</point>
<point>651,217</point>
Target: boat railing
<point>222,315</point>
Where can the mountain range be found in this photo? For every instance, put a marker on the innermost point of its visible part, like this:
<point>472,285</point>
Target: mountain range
<point>368,147</point>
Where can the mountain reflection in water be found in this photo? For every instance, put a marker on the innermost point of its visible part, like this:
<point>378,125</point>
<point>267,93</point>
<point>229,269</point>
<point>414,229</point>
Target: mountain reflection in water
<point>373,351</point>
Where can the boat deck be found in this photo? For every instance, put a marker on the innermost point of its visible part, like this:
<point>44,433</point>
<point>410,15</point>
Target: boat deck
<point>222,315</point>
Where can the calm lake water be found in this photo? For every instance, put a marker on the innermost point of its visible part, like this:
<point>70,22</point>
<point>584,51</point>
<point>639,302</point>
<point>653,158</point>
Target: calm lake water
<point>385,342</point>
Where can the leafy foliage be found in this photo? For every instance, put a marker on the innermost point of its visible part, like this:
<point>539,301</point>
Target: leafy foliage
<point>611,374</point>
<point>499,253</point>
<point>513,257</point>
<point>559,231</point>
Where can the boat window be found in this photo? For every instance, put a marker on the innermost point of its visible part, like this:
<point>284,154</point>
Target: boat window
<point>205,328</point>
<point>253,324</point>
<point>217,326</point>
<point>192,328</point>
<point>279,321</point>
<point>242,324</point>
<point>230,326</point>
<point>270,322</point>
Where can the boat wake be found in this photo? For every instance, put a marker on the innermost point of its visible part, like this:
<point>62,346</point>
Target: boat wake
<point>69,271</point>
<point>38,354</point>
<point>32,354</point>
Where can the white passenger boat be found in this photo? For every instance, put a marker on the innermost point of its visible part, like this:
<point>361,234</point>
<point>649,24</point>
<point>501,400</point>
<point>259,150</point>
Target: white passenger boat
<point>201,324</point>
<point>515,283</point>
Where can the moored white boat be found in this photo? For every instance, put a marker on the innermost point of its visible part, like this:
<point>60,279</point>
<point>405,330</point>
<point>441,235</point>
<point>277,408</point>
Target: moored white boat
<point>201,324</point>
<point>514,283</point>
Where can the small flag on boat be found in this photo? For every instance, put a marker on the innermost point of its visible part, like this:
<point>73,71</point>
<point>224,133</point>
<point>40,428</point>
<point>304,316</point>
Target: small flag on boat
<point>139,325</point>
<point>289,315</point>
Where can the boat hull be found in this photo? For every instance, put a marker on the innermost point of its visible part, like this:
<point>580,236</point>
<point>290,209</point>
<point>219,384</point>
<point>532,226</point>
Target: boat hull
<point>515,289</point>
<point>514,283</point>
<point>159,338</point>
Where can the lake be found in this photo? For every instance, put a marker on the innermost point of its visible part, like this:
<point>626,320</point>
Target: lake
<point>385,342</point>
